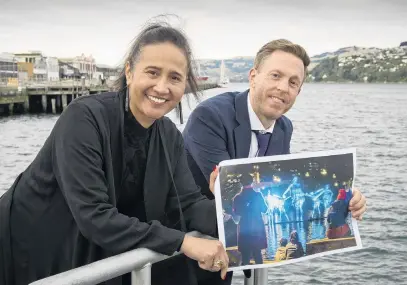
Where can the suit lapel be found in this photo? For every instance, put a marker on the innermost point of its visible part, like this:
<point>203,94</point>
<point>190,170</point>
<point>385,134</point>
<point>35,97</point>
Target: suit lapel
<point>242,141</point>
<point>275,146</point>
<point>242,133</point>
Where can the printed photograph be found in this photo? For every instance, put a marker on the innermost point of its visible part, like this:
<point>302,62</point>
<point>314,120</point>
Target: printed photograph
<point>284,209</point>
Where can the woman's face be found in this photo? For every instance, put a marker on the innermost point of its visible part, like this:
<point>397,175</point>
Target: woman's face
<point>157,81</point>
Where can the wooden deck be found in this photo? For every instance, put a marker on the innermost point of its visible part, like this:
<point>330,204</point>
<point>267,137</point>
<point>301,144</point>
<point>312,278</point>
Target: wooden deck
<point>312,247</point>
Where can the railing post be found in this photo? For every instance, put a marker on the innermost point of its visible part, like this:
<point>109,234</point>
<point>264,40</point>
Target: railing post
<point>260,276</point>
<point>249,281</point>
<point>141,276</point>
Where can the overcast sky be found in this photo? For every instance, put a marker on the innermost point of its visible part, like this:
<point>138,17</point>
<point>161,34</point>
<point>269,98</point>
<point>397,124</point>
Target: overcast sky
<point>224,29</point>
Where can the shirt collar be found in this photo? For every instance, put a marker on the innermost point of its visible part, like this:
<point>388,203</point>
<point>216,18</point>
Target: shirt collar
<point>255,122</point>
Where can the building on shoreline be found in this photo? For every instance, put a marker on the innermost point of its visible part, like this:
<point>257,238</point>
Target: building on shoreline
<point>32,66</point>
<point>8,70</point>
<point>86,65</point>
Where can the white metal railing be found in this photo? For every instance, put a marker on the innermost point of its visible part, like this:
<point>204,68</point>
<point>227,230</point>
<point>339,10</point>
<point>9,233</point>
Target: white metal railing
<point>137,261</point>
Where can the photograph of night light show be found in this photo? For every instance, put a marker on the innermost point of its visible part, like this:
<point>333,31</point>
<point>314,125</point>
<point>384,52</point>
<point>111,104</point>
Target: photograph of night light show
<point>284,209</point>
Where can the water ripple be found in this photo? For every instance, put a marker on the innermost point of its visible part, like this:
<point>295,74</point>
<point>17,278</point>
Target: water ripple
<point>325,116</point>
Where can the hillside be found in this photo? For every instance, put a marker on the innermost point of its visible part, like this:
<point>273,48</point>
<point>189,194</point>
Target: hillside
<point>348,64</point>
<point>237,68</point>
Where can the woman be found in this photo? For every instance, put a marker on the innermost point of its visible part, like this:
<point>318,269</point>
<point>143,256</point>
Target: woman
<point>101,184</point>
<point>337,216</point>
<point>294,248</point>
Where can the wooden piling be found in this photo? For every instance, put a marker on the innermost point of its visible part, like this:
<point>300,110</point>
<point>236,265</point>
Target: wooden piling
<point>44,103</point>
<point>53,104</point>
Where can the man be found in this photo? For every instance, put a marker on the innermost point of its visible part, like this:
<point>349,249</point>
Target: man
<point>228,126</point>
<point>251,123</point>
<point>249,205</point>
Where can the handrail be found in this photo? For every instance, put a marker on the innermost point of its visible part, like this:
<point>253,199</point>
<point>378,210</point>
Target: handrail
<point>108,268</point>
<point>135,260</point>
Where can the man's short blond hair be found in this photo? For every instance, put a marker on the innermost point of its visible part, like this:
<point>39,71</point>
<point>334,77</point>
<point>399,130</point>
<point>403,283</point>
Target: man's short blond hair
<point>283,45</point>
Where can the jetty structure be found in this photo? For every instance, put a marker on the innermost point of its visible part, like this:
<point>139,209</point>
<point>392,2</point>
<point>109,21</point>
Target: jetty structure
<point>34,83</point>
<point>51,98</point>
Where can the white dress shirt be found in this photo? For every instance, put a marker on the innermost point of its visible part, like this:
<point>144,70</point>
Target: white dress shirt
<point>256,125</point>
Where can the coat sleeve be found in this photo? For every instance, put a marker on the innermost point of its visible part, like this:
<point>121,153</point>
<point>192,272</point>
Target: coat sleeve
<point>205,140</point>
<point>289,135</point>
<point>199,212</point>
<point>78,166</point>
<point>237,205</point>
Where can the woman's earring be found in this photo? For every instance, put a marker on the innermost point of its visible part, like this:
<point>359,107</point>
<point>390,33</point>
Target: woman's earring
<point>127,99</point>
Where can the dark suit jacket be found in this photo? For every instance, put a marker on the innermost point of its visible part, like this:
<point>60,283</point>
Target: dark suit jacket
<point>250,205</point>
<point>63,205</point>
<point>219,129</point>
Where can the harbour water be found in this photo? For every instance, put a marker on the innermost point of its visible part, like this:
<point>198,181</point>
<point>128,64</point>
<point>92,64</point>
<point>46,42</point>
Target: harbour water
<point>370,117</point>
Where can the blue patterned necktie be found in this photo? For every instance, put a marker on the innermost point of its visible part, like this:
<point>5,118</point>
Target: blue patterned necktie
<point>263,142</point>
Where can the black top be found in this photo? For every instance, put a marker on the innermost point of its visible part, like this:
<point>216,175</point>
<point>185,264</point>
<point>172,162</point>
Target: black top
<point>136,143</point>
<point>61,212</point>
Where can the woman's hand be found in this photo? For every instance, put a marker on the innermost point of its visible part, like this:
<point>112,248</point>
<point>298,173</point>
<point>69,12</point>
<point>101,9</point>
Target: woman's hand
<point>212,179</point>
<point>210,254</point>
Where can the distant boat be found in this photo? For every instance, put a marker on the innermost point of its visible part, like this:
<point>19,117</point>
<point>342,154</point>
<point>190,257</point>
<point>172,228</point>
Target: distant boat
<point>223,79</point>
<point>200,76</point>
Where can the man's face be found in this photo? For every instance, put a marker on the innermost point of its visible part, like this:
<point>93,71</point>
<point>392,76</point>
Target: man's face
<point>274,86</point>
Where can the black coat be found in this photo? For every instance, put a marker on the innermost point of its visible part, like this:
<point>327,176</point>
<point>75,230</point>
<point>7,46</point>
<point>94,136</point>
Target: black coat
<point>60,212</point>
<point>250,205</point>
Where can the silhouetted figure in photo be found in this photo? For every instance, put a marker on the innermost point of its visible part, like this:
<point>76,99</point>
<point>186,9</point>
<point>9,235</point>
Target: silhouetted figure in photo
<point>249,205</point>
<point>281,252</point>
<point>294,247</point>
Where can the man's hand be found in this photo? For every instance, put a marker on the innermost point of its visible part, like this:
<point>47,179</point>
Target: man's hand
<point>212,179</point>
<point>357,204</point>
